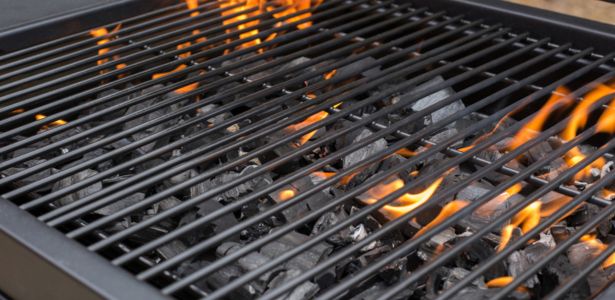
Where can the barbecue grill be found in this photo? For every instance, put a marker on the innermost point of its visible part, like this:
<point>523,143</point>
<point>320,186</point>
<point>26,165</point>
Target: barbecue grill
<point>351,149</point>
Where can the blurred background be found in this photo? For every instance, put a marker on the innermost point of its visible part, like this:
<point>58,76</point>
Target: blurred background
<point>601,11</point>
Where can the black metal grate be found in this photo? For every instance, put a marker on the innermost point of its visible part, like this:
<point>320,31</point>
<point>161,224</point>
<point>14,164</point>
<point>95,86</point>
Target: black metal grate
<point>97,147</point>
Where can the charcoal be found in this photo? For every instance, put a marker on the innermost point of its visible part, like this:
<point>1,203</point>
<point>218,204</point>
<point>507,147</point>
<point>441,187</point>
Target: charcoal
<point>225,221</point>
<point>164,204</point>
<point>392,272</point>
<point>34,177</point>
<point>477,252</point>
<point>181,177</point>
<point>364,152</point>
<point>355,67</point>
<point>304,261</point>
<point>474,191</point>
<point>253,261</point>
<point>314,201</point>
<point>433,99</point>
<point>200,233</point>
<point>472,293</point>
<point>150,116</point>
<point>536,153</point>
<point>172,249</point>
<point>121,204</point>
<point>436,244</point>
<point>73,179</point>
<point>580,255</point>
<point>109,103</point>
<point>217,118</point>
<point>518,263</point>
<point>115,179</point>
<point>560,270</point>
<point>305,290</point>
<point>456,274</point>
<point>236,191</point>
<point>560,233</point>
<point>490,211</point>
<point>330,219</point>
<point>296,210</point>
<point>372,293</point>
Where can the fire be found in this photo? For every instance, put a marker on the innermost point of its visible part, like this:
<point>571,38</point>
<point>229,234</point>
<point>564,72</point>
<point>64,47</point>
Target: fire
<point>307,122</point>
<point>191,4</point>
<point>533,127</point>
<point>579,119</point>
<point>404,204</point>
<point>591,241</point>
<point>249,4</point>
<point>101,32</point>
<point>58,122</point>
<point>448,210</point>
<point>330,74</point>
<point>526,219</point>
<point>502,282</point>
<point>405,152</point>
<point>293,7</point>
<point>286,194</point>
<point>323,175</point>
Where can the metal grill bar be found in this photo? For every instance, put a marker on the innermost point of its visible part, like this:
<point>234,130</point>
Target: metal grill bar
<point>171,100</point>
<point>281,141</point>
<point>173,64</point>
<point>38,52</point>
<point>403,219</point>
<point>384,201</point>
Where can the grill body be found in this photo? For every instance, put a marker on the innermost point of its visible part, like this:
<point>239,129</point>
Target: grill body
<point>40,255</point>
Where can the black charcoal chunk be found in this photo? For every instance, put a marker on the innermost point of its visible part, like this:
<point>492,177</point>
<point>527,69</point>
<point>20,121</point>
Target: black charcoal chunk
<point>435,98</point>
<point>120,204</point>
<point>366,151</point>
<point>73,179</point>
<point>305,290</point>
<point>236,191</point>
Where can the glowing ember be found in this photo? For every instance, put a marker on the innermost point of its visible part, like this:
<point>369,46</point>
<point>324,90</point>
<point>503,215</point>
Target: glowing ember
<point>307,122</point>
<point>402,205</point>
<point>558,99</point>
<point>448,210</point>
<point>405,152</point>
<point>598,247</point>
<point>286,194</point>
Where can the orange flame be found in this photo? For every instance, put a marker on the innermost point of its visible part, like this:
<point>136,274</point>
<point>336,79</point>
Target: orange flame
<point>101,32</point>
<point>533,127</point>
<point>578,120</point>
<point>448,210</point>
<point>323,175</point>
<point>54,123</point>
<point>286,194</point>
<point>405,203</point>
<point>191,4</point>
<point>526,219</point>
<point>503,281</point>
<point>330,74</point>
<point>405,152</point>
<point>592,242</point>
<point>295,6</point>
<point>249,4</point>
<point>307,122</point>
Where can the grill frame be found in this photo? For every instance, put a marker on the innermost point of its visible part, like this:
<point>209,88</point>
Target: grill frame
<point>30,237</point>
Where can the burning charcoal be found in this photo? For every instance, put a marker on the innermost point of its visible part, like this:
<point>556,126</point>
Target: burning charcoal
<point>73,179</point>
<point>583,253</point>
<point>474,191</point>
<point>121,204</point>
<point>560,233</point>
<point>172,249</point>
<point>477,252</point>
<point>434,98</point>
<point>445,135</point>
<point>436,244</point>
<point>305,290</point>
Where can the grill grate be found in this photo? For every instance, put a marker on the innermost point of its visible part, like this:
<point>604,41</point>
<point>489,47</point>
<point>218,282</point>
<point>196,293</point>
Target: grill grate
<point>107,138</point>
